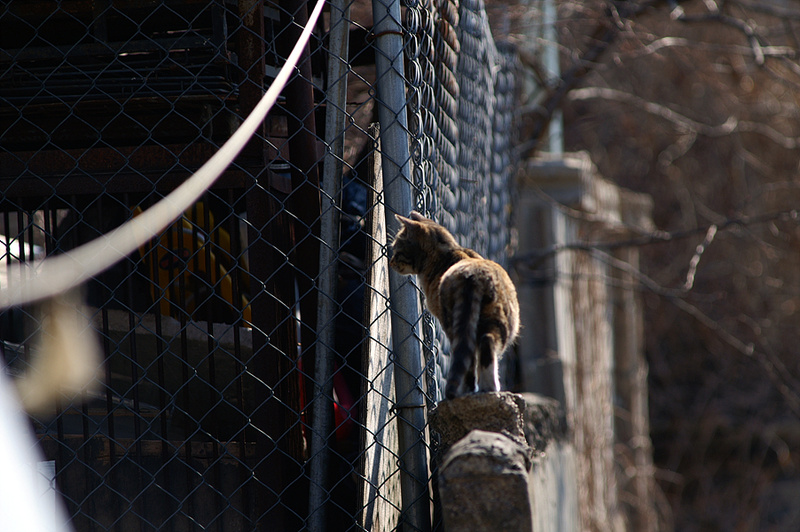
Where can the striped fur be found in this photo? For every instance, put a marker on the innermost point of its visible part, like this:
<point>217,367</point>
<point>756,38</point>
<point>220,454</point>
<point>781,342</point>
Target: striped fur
<point>473,298</point>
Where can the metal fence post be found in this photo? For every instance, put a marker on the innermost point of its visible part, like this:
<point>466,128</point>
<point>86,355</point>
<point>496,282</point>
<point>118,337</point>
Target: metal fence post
<point>399,196</point>
<point>335,113</point>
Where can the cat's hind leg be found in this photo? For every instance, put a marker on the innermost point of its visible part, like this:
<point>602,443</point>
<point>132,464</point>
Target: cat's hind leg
<point>462,334</point>
<point>462,375</point>
<point>471,378</point>
<point>489,371</point>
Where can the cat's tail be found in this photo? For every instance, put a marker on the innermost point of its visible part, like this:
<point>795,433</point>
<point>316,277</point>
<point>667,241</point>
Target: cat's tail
<point>466,313</point>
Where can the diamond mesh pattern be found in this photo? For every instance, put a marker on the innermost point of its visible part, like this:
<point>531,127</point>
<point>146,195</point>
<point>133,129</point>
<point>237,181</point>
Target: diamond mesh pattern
<point>212,332</point>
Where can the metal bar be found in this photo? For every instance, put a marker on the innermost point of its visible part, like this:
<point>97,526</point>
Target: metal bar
<point>399,194</point>
<point>322,422</point>
<point>304,202</point>
<point>303,207</point>
<point>214,273</point>
<point>552,67</point>
<point>246,488</point>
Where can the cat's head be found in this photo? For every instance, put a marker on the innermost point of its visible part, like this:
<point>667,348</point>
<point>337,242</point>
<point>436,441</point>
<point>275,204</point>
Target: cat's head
<point>417,242</point>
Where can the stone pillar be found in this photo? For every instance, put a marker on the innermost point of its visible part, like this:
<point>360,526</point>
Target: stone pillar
<point>581,341</point>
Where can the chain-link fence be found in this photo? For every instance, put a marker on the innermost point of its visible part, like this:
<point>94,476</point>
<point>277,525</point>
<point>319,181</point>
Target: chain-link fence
<point>263,368</point>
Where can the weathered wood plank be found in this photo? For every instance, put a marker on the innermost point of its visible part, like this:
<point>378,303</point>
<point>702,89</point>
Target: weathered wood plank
<point>380,497</point>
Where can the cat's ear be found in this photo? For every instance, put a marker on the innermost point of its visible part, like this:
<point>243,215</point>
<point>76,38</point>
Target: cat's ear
<point>417,217</point>
<point>403,220</point>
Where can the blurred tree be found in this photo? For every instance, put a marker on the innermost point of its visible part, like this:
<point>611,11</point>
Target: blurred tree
<point>696,103</point>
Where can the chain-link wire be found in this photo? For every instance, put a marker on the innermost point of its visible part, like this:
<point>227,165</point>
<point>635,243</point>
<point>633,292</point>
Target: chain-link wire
<point>462,91</point>
<point>247,383</point>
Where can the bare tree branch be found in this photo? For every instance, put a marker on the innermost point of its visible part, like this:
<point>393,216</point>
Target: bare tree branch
<point>682,42</point>
<point>532,260</point>
<point>701,248</point>
<point>606,32</point>
<point>696,104</point>
<point>682,122</point>
<point>755,40</point>
<point>775,369</point>
<point>773,9</point>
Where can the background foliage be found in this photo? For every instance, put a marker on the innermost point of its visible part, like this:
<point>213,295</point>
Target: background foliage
<point>695,103</point>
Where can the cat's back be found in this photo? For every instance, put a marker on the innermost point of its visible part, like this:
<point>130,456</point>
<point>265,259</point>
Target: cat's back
<point>478,269</point>
<point>477,277</point>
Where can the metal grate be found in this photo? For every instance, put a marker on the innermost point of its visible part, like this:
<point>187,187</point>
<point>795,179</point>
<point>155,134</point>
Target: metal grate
<point>251,376</point>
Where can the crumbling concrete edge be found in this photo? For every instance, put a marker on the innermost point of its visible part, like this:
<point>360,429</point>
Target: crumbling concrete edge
<point>527,417</point>
<point>504,461</point>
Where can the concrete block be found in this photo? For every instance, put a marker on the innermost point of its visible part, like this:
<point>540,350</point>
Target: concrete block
<point>483,484</point>
<point>504,463</point>
<point>543,421</point>
<point>500,412</point>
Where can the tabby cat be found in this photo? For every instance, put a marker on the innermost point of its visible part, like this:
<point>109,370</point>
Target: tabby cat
<point>472,297</point>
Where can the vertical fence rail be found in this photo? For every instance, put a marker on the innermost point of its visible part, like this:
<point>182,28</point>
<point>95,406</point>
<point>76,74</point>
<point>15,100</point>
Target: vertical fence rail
<point>399,197</point>
<point>335,113</point>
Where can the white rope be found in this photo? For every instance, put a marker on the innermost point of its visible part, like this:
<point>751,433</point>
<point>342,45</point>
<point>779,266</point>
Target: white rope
<point>49,277</point>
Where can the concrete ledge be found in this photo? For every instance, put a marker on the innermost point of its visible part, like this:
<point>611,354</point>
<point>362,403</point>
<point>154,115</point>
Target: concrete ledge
<point>483,482</point>
<point>544,421</point>
<point>504,464</point>
<point>500,412</point>
<point>528,417</point>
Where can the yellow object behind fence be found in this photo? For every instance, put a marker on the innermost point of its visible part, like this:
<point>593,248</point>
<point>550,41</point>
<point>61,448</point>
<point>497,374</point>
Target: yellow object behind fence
<point>191,269</point>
